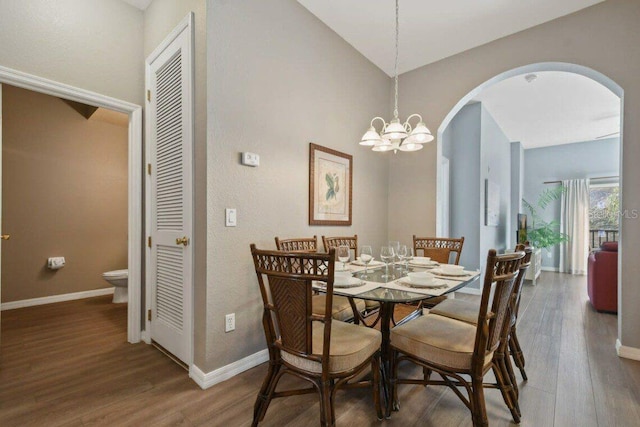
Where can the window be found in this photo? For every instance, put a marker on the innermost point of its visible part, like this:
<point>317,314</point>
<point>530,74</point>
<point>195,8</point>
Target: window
<point>604,209</point>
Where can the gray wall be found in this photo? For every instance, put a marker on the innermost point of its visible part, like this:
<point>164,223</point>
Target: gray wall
<point>479,150</point>
<point>604,38</point>
<point>279,79</point>
<point>517,189</point>
<point>465,217</point>
<point>569,161</point>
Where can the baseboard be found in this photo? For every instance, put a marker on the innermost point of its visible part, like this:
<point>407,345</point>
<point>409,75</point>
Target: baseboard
<point>554,269</point>
<point>222,374</point>
<point>55,298</point>
<point>627,352</point>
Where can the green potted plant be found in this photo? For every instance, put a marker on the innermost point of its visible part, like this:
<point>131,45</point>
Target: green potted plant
<point>544,234</point>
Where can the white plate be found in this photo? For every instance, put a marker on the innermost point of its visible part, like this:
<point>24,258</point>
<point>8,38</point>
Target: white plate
<point>339,269</point>
<point>347,282</point>
<point>422,263</point>
<point>420,284</point>
<point>439,272</point>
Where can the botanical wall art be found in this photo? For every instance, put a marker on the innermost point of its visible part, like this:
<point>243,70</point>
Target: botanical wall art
<point>330,186</point>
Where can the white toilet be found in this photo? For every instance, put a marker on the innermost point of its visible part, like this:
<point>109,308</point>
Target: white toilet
<point>119,279</point>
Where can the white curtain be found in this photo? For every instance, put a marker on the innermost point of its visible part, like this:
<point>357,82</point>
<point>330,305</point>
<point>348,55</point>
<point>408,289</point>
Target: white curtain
<point>574,222</point>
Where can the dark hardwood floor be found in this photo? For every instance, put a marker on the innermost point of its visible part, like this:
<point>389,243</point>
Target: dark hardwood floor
<point>68,364</point>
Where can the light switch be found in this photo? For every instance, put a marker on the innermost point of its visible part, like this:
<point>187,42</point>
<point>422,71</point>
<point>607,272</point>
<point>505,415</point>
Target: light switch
<point>230,217</point>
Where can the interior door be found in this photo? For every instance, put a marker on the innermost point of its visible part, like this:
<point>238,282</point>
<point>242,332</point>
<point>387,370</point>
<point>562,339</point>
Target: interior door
<point>170,151</point>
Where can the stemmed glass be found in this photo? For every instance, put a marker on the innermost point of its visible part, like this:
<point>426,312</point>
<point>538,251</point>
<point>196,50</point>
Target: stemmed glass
<point>344,253</point>
<point>407,258</point>
<point>366,256</point>
<point>402,255</point>
<point>387,254</point>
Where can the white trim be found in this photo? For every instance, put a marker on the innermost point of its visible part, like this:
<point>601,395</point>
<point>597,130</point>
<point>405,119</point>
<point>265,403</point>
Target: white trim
<point>222,374</point>
<point>61,90</point>
<point>553,269</point>
<point>627,352</point>
<point>55,298</point>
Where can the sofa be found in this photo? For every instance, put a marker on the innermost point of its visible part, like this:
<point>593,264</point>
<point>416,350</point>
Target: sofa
<point>602,278</point>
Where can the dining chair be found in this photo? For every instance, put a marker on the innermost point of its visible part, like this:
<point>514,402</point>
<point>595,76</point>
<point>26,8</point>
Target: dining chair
<point>438,249</point>
<point>352,243</point>
<point>460,352</point>
<point>316,348</point>
<point>343,308</point>
<point>467,311</point>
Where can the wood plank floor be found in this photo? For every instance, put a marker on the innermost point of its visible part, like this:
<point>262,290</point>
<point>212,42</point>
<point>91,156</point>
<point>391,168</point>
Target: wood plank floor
<point>68,364</point>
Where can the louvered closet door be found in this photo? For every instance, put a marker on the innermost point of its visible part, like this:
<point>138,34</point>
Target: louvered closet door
<point>171,170</point>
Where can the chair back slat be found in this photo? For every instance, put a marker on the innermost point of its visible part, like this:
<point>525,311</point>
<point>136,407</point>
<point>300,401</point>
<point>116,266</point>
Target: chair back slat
<point>285,280</point>
<point>334,242</point>
<point>300,244</point>
<point>501,270</point>
<point>438,249</point>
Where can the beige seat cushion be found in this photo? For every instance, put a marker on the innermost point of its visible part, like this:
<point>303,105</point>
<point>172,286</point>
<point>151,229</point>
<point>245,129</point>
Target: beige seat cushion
<point>465,311</point>
<point>351,345</point>
<point>437,339</point>
<point>341,307</point>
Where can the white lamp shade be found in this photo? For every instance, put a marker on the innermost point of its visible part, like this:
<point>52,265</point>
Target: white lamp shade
<point>421,134</point>
<point>383,145</point>
<point>370,138</point>
<point>394,130</point>
<point>410,145</point>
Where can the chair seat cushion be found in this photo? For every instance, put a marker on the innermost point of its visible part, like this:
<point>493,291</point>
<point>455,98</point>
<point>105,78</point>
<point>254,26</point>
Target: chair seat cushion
<point>465,311</point>
<point>351,345</point>
<point>439,340</point>
<point>341,309</point>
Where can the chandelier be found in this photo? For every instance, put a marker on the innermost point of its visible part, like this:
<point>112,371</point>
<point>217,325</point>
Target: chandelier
<point>395,135</point>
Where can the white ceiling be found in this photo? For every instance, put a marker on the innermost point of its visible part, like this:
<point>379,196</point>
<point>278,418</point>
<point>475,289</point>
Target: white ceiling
<point>557,108</point>
<point>431,30</point>
<point>140,4</point>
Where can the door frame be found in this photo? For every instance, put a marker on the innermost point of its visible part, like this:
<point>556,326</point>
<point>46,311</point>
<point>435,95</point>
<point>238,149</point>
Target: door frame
<point>134,111</point>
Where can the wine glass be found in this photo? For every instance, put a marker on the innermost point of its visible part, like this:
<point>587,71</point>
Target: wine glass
<point>387,254</point>
<point>344,253</point>
<point>396,247</point>
<point>366,256</point>
<point>402,255</point>
<point>408,257</point>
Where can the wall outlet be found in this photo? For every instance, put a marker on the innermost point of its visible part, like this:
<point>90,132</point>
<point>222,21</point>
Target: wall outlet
<point>230,322</point>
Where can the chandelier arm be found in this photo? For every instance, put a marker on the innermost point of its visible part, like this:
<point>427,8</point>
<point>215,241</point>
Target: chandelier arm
<point>414,115</point>
<point>384,123</point>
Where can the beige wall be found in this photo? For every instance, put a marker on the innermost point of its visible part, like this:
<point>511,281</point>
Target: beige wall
<point>278,79</point>
<point>605,38</point>
<point>64,193</point>
<point>160,18</point>
<point>94,45</point>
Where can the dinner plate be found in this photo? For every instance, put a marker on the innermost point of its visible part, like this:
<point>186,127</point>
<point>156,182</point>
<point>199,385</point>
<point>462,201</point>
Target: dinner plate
<point>439,272</point>
<point>422,263</point>
<point>419,284</point>
<point>347,282</point>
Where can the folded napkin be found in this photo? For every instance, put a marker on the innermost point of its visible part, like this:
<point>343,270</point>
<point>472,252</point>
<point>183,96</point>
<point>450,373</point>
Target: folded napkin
<point>373,262</point>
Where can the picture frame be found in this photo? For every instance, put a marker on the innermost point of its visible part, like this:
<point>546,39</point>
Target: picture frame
<point>330,186</point>
<point>491,203</point>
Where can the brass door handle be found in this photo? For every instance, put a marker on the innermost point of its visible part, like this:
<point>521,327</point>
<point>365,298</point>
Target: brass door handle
<point>182,241</point>
<point>5,236</point>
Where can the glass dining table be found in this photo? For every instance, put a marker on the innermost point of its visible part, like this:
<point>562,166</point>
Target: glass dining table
<point>394,288</point>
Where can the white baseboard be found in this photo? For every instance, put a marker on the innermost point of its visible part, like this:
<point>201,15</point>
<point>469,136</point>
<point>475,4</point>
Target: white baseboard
<point>55,298</point>
<point>627,352</point>
<point>554,269</point>
<point>222,374</point>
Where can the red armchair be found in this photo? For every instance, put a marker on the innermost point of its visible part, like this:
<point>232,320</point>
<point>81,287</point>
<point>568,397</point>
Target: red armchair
<point>602,279</point>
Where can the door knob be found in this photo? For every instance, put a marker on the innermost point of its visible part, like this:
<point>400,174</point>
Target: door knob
<point>5,236</point>
<point>182,241</point>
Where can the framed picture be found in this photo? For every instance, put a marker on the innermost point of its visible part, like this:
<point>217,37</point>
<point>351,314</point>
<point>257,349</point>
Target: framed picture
<point>330,185</point>
<point>491,203</point>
